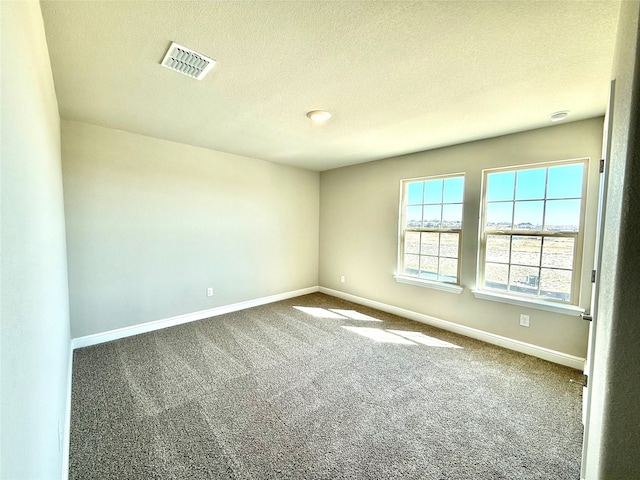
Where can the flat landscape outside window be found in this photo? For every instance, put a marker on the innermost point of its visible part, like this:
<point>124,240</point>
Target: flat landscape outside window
<point>430,228</point>
<point>532,230</point>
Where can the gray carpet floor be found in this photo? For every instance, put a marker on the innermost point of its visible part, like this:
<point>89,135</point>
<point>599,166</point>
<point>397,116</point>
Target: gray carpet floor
<point>331,390</point>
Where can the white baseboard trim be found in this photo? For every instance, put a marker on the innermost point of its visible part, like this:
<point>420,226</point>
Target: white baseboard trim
<point>66,436</point>
<point>97,338</point>
<point>522,347</point>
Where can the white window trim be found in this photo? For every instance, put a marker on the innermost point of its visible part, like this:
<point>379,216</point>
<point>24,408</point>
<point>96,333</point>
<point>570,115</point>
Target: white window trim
<point>562,308</point>
<point>566,308</point>
<point>445,287</point>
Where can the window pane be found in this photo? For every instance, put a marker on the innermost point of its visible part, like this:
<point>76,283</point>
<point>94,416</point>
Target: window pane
<point>429,245</point>
<point>448,270</point>
<point>411,264</point>
<point>414,193</point>
<point>432,216</point>
<point>547,197</point>
<point>562,215</point>
<point>496,276</point>
<point>429,268</point>
<point>565,181</point>
<point>414,217</point>
<point>524,280</point>
<point>449,245</point>
<point>453,190</point>
<point>526,250</point>
<point>500,186</point>
<point>558,252</point>
<point>451,216</point>
<point>555,284</point>
<point>432,204</point>
<point>530,184</point>
<point>499,216</point>
<point>433,191</point>
<point>412,242</point>
<point>528,215</point>
<point>498,248</point>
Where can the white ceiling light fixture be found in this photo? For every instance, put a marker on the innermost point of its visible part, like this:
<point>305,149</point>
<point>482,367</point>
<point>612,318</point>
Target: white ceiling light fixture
<point>559,116</point>
<point>319,115</point>
<point>186,61</point>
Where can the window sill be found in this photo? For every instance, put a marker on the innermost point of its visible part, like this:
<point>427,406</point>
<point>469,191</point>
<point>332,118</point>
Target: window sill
<point>561,308</point>
<point>445,287</point>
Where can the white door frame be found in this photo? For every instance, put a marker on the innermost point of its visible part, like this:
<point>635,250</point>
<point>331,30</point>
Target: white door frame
<point>602,199</point>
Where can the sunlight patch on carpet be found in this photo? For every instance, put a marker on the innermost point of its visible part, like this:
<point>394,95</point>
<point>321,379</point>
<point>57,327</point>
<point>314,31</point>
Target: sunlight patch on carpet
<point>320,312</point>
<point>336,313</point>
<point>355,315</point>
<point>402,337</point>
<point>379,335</point>
<point>423,339</point>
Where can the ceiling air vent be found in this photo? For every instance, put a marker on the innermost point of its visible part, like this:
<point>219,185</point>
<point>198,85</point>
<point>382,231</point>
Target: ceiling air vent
<point>187,62</point>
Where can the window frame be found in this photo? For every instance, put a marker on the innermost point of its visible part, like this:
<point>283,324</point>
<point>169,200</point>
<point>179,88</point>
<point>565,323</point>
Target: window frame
<point>401,276</point>
<point>578,236</point>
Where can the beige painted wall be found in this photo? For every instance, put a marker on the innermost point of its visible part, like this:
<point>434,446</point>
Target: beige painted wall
<point>359,231</point>
<point>151,224</point>
<point>613,447</point>
<point>35,309</point>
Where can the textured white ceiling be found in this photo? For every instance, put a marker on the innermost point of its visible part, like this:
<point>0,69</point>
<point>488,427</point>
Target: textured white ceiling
<point>398,77</point>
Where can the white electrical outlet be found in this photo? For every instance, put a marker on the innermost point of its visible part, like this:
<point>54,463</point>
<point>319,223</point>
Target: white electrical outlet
<point>524,320</point>
<point>343,279</point>
<point>210,292</point>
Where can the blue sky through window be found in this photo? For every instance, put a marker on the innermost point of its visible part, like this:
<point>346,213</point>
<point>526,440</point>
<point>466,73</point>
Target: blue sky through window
<point>435,203</point>
<point>560,185</point>
<point>447,190</point>
<point>530,184</point>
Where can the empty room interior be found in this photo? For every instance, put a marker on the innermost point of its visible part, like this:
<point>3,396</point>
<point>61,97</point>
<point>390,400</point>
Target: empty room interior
<point>323,239</point>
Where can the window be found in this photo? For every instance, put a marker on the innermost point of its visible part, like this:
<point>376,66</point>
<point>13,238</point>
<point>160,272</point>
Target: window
<point>430,229</point>
<point>532,230</point>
